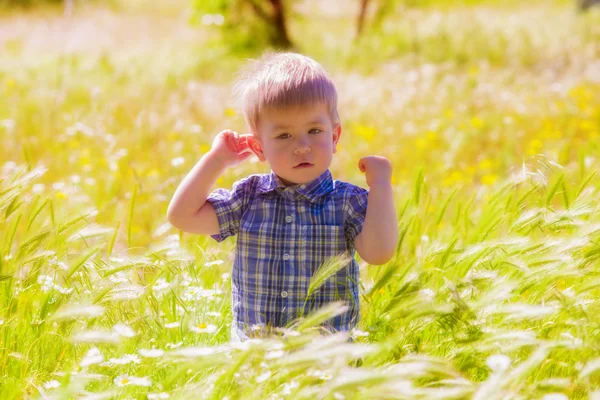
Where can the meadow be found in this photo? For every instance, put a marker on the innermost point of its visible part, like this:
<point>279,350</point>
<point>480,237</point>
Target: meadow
<point>490,114</point>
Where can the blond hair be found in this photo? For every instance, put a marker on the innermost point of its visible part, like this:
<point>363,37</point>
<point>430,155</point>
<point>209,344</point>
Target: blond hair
<point>282,81</point>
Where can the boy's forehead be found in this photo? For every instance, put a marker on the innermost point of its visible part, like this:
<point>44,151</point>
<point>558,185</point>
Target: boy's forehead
<point>284,117</point>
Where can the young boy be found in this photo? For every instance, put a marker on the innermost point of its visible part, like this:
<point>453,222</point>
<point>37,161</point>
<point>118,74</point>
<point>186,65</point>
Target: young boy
<point>293,219</point>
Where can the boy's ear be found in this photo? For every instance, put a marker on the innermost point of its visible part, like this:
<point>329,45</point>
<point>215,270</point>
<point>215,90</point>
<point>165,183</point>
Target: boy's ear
<point>256,148</point>
<point>337,132</point>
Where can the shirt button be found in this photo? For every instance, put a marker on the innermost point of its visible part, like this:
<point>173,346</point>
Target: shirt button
<point>284,294</point>
<point>288,218</point>
<point>286,256</point>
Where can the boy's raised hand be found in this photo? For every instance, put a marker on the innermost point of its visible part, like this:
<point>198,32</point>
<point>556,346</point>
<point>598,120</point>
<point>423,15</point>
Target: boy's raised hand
<point>231,148</point>
<point>377,169</point>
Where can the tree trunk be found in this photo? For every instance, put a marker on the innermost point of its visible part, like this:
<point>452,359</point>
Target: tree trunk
<point>280,36</point>
<point>361,17</point>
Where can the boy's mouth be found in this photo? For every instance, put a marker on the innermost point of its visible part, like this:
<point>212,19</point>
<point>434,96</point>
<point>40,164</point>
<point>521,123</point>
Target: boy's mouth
<point>303,165</point>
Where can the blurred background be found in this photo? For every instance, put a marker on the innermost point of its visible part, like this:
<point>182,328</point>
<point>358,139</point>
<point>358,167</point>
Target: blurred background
<point>112,94</point>
<point>489,111</point>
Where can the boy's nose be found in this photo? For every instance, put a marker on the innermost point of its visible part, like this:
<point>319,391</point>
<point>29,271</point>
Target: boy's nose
<point>302,149</point>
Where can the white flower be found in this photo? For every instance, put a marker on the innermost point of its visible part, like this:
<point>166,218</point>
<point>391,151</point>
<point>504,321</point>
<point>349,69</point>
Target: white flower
<point>173,345</point>
<point>53,384</point>
<point>213,314</point>
<point>160,285</point>
<point>498,362</point>
<point>172,325</point>
<point>274,354</point>
<point>126,359</point>
<point>123,330</point>
<point>287,387</point>
<point>158,396</point>
<point>358,333</point>
<point>124,380</point>
<point>263,377</point>
<point>555,396</point>
<point>99,336</point>
<point>211,263</point>
<point>46,282</point>
<point>203,328</point>
<point>176,162</point>
<point>151,353</point>
<point>93,356</point>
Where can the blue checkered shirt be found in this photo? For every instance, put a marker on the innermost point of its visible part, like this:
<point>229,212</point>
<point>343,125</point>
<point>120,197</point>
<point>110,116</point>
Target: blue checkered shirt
<point>284,234</point>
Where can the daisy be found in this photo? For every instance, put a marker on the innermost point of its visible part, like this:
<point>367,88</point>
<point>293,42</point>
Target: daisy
<point>203,328</point>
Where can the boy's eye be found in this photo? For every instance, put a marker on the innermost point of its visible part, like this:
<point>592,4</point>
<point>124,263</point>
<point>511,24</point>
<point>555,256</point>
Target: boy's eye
<point>315,131</point>
<point>283,136</point>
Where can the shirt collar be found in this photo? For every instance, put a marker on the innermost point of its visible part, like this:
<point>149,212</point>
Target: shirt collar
<point>311,190</point>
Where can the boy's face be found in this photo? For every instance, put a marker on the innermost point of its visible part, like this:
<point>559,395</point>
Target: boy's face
<point>297,143</point>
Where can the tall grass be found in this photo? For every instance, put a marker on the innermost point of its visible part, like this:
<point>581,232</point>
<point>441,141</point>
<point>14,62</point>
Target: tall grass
<point>493,130</point>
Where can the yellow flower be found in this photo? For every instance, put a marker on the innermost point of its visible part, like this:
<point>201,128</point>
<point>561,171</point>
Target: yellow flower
<point>230,112</point>
<point>421,143</point>
<point>9,82</point>
<point>204,148</point>
<point>476,122</point>
<point>485,164</point>
<point>449,114</point>
<point>534,146</point>
<point>586,125</point>
<point>61,195</point>
<point>471,169</point>
<point>366,132</point>
<point>431,136</point>
<point>489,179</point>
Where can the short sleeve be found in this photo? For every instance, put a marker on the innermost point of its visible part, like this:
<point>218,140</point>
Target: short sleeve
<point>229,206</point>
<point>355,210</point>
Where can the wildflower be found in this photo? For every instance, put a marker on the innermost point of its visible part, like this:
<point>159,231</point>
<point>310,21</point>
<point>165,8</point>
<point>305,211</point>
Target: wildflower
<point>99,336</point>
<point>211,263</point>
<point>287,387</point>
<point>124,380</point>
<point>498,362</point>
<point>172,325</point>
<point>151,353</point>
<point>53,384</point>
<point>263,377</point>
<point>358,333</point>
<point>160,284</point>
<point>176,162</point>
<point>123,330</point>
<point>274,354</point>
<point>158,396</point>
<point>93,356</point>
<point>213,314</point>
<point>173,345</point>
<point>126,359</point>
<point>489,179</point>
<point>555,396</point>
<point>203,328</point>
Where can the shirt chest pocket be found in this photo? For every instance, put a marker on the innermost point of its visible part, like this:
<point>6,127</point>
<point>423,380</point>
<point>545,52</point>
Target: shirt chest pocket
<point>318,243</point>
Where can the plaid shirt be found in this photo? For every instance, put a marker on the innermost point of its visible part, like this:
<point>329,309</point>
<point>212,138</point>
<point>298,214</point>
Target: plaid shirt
<point>284,235</point>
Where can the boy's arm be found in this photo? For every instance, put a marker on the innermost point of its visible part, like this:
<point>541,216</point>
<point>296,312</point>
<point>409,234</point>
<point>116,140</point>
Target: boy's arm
<point>377,241</point>
<point>188,209</point>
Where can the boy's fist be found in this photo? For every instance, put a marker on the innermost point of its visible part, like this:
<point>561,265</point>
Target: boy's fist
<point>231,148</point>
<point>377,169</point>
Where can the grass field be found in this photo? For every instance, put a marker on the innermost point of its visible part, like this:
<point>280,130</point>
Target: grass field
<point>490,114</point>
